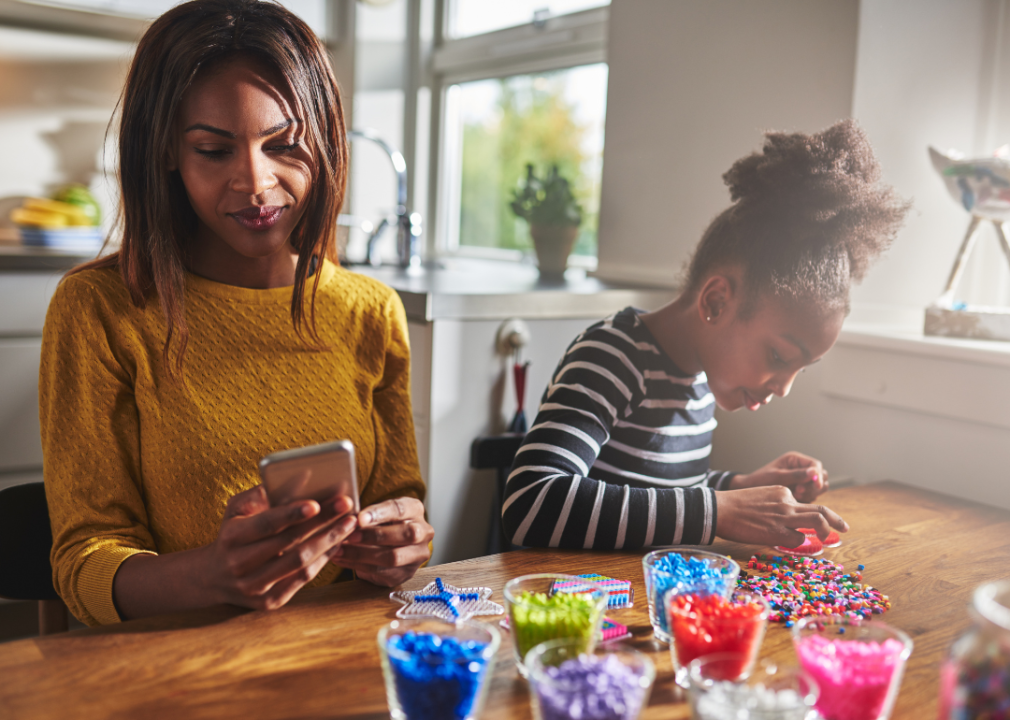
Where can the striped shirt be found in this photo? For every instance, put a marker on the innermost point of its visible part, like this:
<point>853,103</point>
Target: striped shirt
<point>618,454</point>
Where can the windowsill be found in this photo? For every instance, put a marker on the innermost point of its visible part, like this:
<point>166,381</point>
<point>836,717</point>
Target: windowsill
<point>883,358</point>
<point>900,329</point>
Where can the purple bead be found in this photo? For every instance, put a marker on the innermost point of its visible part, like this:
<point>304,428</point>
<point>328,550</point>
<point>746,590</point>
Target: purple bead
<point>591,688</point>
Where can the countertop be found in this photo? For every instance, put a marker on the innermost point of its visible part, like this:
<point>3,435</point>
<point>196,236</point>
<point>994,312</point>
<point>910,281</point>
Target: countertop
<point>19,258</point>
<point>453,288</point>
<point>461,288</point>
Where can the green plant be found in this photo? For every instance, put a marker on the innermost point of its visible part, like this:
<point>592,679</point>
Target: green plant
<point>547,201</point>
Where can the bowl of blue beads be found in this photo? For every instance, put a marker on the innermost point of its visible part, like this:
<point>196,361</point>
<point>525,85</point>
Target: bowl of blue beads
<point>437,670</point>
<point>683,572</point>
<point>612,682</point>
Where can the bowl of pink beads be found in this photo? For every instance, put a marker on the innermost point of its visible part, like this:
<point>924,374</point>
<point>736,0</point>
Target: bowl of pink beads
<point>857,664</point>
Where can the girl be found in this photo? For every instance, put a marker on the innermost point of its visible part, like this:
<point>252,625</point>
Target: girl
<point>618,454</point>
<point>221,332</point>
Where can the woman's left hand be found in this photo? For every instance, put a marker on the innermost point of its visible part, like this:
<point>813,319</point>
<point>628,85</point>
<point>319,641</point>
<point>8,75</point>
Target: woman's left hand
<point>802,474</point>
<point>390,544</point>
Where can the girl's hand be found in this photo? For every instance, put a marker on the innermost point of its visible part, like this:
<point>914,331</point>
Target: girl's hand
<point>770,516</point>
<point>263,555</point>
<point>390,544</point>
<point>802,474</point>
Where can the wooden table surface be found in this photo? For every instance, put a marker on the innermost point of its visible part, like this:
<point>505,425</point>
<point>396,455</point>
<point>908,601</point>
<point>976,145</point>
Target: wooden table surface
<point>317,657</point>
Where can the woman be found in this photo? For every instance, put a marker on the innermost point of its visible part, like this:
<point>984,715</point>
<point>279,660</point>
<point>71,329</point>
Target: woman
<point>221,332</point>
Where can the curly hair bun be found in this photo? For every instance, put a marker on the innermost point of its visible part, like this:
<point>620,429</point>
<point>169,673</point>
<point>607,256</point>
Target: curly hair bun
<point>821,189</point>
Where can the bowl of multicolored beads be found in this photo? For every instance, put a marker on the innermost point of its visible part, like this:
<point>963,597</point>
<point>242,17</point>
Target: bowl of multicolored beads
<point>538,613</point>
<point>684,572</point>
<point>769,692</point>
<point>436,670</point>
<point>567,683</point>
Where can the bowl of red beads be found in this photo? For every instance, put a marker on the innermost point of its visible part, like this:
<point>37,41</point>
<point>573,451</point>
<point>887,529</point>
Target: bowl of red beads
<point>706,624</point>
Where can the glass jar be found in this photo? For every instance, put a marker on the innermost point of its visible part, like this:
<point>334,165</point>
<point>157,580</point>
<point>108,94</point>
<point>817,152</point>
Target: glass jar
<point>975,678</point>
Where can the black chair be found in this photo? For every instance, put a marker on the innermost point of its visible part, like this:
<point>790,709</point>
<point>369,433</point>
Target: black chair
<point>496,452</point>
<point>25,542</point>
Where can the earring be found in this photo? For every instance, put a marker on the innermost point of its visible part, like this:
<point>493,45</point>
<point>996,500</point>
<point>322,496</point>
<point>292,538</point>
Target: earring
<point>708,319</point>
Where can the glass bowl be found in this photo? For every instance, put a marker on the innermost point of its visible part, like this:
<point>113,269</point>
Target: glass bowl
<point>769,692</point>
<point>568,683</point>
<point>696,631</point>
<point>856,663</point>
<point>436,669</point>
<point>537,614</point>
<point>658,583</point>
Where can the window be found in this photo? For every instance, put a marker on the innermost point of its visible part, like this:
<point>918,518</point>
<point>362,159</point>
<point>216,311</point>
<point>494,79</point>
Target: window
<point>500,125</point>
<point>505,95</point>
<point>471,91</point>
<point>476,17</point>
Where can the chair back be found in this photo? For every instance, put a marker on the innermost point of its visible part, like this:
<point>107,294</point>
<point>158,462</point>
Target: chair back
<point>496,452</point>
<point>25,542</point>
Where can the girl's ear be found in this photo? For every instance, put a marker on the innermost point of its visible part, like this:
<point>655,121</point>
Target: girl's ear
<point>717,298</point>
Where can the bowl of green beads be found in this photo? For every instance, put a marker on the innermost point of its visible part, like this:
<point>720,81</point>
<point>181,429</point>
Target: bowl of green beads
<point>537,613</point>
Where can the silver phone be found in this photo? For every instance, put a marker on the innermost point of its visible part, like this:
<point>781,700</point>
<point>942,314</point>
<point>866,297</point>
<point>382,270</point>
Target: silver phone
<point>316,472</point>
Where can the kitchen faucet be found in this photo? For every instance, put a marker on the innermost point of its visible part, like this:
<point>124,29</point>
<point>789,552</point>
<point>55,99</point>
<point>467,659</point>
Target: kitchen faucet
<point>408,224</point>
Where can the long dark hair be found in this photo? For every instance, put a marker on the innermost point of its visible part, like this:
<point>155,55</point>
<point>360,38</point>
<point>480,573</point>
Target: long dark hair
<point>809,217</point>
<point>156,218</point>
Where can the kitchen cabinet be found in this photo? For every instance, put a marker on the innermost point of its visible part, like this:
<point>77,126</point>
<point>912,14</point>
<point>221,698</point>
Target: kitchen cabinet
<point>24,297</point>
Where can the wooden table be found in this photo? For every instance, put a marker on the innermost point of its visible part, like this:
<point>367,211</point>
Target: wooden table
<point>317,657</point>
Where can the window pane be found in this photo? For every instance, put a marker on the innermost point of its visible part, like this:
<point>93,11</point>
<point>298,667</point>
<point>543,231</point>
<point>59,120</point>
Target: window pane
<point>500,125</point>
<point>473,17</point>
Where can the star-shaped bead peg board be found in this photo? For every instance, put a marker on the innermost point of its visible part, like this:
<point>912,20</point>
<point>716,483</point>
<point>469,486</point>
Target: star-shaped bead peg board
<point>446,602</point>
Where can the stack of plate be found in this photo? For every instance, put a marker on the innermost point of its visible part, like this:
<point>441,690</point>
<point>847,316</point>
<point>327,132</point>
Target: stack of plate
<point>84,240</point>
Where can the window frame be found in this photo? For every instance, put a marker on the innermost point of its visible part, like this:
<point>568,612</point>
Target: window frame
<point>558,43</point>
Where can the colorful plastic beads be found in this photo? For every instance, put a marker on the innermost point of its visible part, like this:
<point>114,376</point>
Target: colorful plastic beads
<point>435,676</point>
<point>621,593</point>
<point>713,624</point>
<point>796,587</point>
<point>730,700</point>
<point>539,617</point>
<point>591,688</point>
<point>978,687</point>
<point>854,676</point>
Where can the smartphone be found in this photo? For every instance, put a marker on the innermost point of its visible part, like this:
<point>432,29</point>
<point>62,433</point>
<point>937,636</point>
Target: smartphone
<point>317,472</point>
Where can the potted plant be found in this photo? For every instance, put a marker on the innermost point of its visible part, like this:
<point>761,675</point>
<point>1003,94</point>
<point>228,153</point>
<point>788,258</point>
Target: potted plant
<point>553,215</point>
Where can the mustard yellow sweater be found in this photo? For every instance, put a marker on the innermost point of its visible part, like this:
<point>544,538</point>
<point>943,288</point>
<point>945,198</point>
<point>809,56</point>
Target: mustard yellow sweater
<point>137,461</point>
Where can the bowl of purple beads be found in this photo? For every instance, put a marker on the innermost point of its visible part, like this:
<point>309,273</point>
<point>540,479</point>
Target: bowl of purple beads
<point>567,683</point>
<point>436,670</point>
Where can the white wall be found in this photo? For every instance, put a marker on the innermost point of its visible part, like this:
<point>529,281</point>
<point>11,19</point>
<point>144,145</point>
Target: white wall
<point>932,72</point>
<point>692,87</point>
<point>928,72</point>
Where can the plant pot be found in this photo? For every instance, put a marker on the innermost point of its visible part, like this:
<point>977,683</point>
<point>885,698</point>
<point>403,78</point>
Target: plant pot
<point>553,244</point>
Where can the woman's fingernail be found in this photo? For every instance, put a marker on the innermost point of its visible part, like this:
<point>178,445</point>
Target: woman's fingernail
<point>366,518</point>
<point>305,510</point>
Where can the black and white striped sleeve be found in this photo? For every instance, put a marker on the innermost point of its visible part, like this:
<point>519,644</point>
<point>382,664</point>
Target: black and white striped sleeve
<point>550,500</point>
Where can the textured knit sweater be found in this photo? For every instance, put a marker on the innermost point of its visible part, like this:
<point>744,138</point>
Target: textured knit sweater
<point>136,460</point>
<point>618,454</point>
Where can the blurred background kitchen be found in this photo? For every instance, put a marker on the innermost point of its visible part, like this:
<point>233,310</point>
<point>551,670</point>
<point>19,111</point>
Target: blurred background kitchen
<point>641,105</point>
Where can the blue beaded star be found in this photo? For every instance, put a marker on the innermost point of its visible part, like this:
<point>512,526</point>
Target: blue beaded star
<point>446,602</point>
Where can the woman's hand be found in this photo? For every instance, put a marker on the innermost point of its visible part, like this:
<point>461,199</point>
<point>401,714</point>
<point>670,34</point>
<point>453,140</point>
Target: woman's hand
<point>802,474</point>
<point>390,544</point>
<point>770,516</point>
<point>263,555</point>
